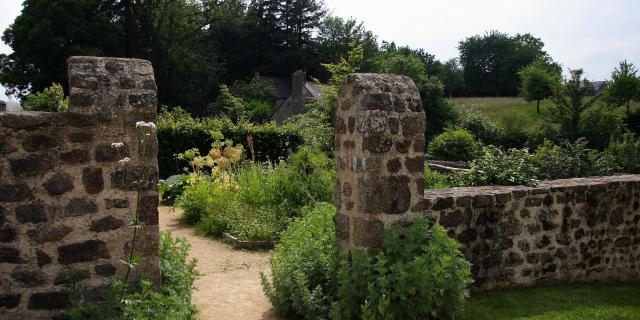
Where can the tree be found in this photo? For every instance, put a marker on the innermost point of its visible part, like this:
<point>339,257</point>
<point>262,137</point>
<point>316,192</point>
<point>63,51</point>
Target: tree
<point>624,87</point>
<point>395,62</point>
<point>570,101</point>
<point>337,36</point>
<point>452,76</point>
<point>538,80</point>
<point>438,112</point>
<point>491,62</point>
<point>46,33</point>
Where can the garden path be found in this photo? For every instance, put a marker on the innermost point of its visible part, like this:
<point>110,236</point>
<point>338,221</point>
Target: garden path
<point>229,288</point>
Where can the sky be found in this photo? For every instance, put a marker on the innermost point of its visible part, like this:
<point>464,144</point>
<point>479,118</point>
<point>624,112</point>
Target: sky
<point>588,34</point>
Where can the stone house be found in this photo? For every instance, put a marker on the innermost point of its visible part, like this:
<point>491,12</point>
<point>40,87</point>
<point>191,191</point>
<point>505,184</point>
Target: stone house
<point>291,95</point>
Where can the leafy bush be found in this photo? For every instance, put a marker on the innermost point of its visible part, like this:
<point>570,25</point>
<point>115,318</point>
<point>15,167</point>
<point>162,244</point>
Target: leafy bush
<point>300,265</point>
<point>625,153</point>
<point>456,145</point>
<point>436,180</point>
<point>171,188</point>
<point>142,301</point>
<point>255,201</point>
<point>419,274</point>
<point>632,122</point>
<point>599,126</point>
<point>569,160</point>
<point>438,111</point>
<point>178,132</point>
<point>499,167</point>
<point>50,99</point>
<point>483,128</point>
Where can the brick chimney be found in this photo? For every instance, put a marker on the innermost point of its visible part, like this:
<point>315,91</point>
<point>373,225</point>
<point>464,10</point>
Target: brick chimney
<point>298,80</point>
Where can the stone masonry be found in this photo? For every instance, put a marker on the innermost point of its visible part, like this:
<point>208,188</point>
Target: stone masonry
<point>65,201</point>
<point>585,229</point>
<point>379,141</point>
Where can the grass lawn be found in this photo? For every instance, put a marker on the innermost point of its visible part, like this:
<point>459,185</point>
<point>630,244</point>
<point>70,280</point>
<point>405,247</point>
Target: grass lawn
<point>594,301</point>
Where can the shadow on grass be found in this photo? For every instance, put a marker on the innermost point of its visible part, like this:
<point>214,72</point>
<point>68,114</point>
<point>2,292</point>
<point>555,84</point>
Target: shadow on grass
<point>563,301</point>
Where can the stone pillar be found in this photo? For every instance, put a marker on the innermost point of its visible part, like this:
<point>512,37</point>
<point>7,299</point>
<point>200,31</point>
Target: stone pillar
<point>379,137</point>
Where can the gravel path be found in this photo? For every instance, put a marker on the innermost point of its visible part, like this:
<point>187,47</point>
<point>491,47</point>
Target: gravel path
<point>230,287</point>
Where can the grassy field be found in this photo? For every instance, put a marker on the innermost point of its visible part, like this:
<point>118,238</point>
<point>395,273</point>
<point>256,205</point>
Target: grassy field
<point>507,111</point>
<point>595,301</point>
<point>513,111</point>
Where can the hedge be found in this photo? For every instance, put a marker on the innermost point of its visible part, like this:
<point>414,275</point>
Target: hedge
<point>178,133</point>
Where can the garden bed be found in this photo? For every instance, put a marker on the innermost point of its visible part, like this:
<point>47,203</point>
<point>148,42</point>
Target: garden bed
<point>248,245</point>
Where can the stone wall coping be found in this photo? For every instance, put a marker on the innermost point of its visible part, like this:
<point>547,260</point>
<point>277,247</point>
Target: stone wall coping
<point>542,187</point>
<point>35,119</point>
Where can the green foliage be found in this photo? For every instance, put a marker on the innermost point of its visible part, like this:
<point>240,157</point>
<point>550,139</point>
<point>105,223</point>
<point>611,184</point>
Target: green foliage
<point>538,80</point>
<point>178,132</point>
<point>483,128</point>
<point>438,112</point>
<point>142,301</point>
<point>569,160</point>
<point>256,90</point>
<point>491,61</point>
<point>300,265</point>
<point>455,145</point>
<point>499,167</point>
<point>570,101</point>
<point>419,274</point>
<point>171,188</point>
<point>625,153</point>
<point>599,126</point>
<point>256,201</point>
<point>395,62</point>
<point>436,180</point>
<point>226,104</point>
<point>624,87</point>
<point>50,99</point>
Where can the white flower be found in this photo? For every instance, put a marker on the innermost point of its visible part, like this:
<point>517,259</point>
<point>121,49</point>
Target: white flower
<point>160,181</point>
<point>117,145</point>
<point>124,161</point>
<point>142,124</point>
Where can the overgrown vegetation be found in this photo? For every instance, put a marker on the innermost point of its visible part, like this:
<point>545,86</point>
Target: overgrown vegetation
<point>252,200</point>
<point>140,299</point>
<point>419,274</point>
<point>50,99</point>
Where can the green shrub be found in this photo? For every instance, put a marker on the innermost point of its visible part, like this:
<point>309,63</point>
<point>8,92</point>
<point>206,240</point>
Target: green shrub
<point>50,99</point>
<point>436,180</point>
<point>171,188</point>
<point>625,153</point>
<point>300,278</point>
<point>420,273</point>
<point>483,128</point>
<point>569,160</point>
<point>455,145</point>
<point>178,132</point>
<point>499,167</point>
<point>256,201</point>
<point>599,126</point>
<point>142,301</point>
<point>632,122</point>
<point>257,90</point>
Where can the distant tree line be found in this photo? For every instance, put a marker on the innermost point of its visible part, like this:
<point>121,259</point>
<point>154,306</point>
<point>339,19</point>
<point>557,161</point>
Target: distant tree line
<point>198,45</point>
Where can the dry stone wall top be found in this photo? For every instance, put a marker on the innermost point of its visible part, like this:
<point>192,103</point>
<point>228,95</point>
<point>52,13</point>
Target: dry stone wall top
<point>65,200</point>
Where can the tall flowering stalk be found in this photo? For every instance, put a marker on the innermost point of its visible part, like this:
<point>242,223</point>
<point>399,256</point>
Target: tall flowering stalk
<point>146,129</point>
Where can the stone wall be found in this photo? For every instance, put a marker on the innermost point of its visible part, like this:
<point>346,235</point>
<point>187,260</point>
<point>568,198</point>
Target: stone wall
<point>66,202</point>
<point>566,230</point>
